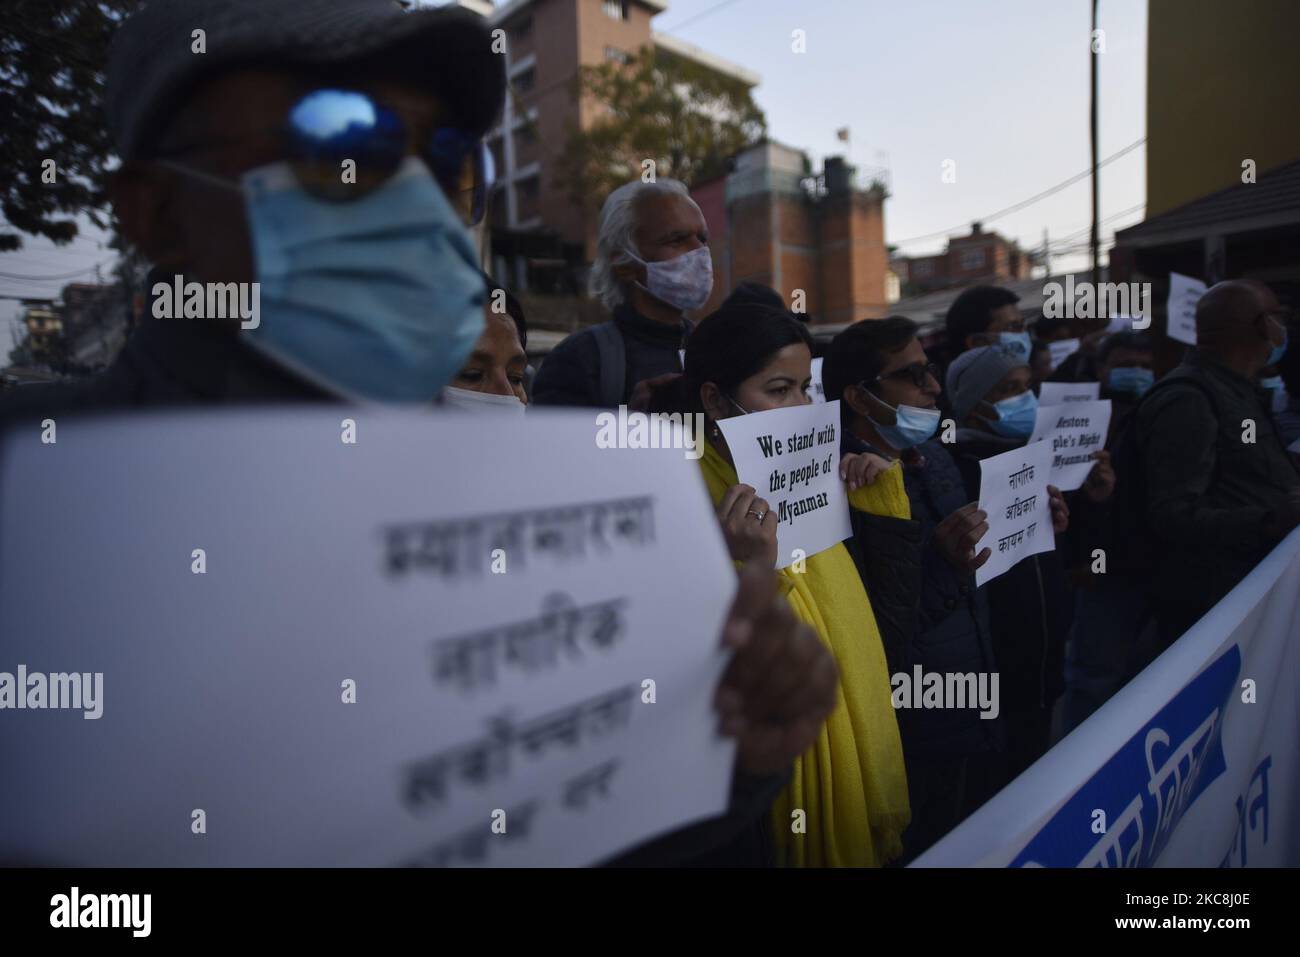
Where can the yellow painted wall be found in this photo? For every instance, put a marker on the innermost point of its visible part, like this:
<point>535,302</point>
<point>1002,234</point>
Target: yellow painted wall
<point>1223,85</point>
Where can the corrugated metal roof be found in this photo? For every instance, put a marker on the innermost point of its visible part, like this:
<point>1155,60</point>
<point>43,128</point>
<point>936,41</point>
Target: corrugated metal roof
<point>1273,200</point>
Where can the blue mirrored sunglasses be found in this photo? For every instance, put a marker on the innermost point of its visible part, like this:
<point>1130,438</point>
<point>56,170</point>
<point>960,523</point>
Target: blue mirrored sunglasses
<point>326,127</point>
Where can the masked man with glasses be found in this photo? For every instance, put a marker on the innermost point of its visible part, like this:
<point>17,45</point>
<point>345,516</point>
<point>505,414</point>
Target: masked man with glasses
<point>889,395</point>
<point>330,152</point>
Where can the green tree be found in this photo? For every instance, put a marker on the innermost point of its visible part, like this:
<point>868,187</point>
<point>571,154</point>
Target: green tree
<point>687,118</point>
<point>52,61</point>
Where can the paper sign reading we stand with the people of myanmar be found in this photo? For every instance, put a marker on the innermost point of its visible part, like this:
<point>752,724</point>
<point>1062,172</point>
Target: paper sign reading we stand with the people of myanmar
<point>1013,493</point>
<point>396,651</point>
<point>791,457</point>
<point>1074,430</point>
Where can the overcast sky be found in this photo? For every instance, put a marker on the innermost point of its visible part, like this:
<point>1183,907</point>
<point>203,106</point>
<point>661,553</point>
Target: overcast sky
<point>998,86</point>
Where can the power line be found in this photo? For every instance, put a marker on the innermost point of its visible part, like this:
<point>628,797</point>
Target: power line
<point>700,16</point>
<point>1025,202</point>
<point>70,275</point>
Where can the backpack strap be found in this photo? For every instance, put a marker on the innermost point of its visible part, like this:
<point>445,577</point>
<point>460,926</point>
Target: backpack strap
<point>613,363</point>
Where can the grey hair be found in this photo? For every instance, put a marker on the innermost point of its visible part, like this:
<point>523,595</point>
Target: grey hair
<point>614,241</point>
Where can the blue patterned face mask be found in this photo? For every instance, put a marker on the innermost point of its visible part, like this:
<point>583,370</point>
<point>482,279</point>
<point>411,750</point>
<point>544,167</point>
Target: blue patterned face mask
<point>1017,343</point>
<point>1016,416</point>
<point>377,298</point>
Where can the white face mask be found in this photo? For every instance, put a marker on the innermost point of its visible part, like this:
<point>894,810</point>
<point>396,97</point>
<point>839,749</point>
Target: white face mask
<point>467,400</point>
<point>684,282</point>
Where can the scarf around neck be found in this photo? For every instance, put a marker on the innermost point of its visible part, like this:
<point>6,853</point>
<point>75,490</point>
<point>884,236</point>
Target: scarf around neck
<point>851,784</point>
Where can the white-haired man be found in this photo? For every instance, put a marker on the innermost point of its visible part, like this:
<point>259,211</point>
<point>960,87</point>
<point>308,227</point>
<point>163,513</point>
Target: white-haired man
<point>652,267</point>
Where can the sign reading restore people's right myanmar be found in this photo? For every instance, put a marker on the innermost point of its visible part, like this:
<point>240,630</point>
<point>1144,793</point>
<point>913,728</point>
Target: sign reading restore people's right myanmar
<point>1075,431</point>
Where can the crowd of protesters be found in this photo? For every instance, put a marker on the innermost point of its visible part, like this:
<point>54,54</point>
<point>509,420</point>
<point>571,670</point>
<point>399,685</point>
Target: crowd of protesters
<point>377,295</point>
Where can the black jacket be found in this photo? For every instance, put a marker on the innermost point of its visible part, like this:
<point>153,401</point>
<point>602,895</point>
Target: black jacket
<point>570,375</point>
<point>165,362</point>
<point>954,634</point>
<point>1211,498</point>
<point>1030,605</point>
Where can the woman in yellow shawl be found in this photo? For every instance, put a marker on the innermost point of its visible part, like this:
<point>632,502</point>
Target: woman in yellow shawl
<point>846,803</point>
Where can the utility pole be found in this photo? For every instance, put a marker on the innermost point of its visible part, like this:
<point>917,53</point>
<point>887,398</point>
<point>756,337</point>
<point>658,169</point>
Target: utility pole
<point>1047,256</point>
<point>1096,201</point>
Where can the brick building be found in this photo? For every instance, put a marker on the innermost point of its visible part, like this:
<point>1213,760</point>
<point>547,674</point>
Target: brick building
<point>773,221</point>
<point>539,238</point>
<point>980,257</point>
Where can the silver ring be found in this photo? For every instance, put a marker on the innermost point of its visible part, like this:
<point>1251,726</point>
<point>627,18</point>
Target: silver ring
<point>758,515</point>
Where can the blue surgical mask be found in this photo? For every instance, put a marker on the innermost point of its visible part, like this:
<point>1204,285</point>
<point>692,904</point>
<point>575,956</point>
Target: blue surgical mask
<point>1017,342</point>
<point>1278,352</point>
<point>1016,416</point>
<point>912,426</point>
<point>378,298</point>
<point>1131,379</point>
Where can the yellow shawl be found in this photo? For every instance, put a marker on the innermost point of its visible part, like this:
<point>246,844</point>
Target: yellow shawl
<point>851,784</point>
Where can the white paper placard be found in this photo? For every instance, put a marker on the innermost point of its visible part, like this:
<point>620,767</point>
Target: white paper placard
<point>1184,293</point>
<point>1073,431</point>
<point>497,628</point>
<point>1062,350</point>
<point>792,458</point>
<point>1013,492</point>
<point>815,388</point>
<point>1054,393</point>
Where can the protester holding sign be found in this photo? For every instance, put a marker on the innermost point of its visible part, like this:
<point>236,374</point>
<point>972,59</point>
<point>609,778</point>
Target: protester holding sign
<point>1029,605</point>
<point>400,307</point>
<point>847,803</point>
<point>889,404</point>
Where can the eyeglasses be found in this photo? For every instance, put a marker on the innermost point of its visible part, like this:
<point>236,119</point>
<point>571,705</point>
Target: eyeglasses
<point>919,372</point>
<point>327,127</point>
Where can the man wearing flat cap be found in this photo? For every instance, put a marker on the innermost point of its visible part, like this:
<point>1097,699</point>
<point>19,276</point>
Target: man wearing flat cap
<point>318,162</point>
<point>329,151</point>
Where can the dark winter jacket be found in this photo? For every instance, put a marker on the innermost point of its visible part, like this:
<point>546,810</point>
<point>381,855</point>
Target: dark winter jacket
<point>1030,605</point>
<point>1212,498</point>
<point>570,375</point>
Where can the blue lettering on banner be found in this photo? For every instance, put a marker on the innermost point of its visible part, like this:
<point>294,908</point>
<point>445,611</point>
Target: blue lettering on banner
<point>1256,800</point>
<point>1147,786</point>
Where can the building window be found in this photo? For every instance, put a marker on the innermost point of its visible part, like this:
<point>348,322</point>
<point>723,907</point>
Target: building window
<point>523,29</point>
<point>922,267</point>
<point>616,9</point>
<point>616,55</point>
<point>525,81</point>
<point>972,258</point>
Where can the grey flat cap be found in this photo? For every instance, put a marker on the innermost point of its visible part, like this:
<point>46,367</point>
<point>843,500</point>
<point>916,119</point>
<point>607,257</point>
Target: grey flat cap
<point>151,66</point>
<point>974,372</point>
